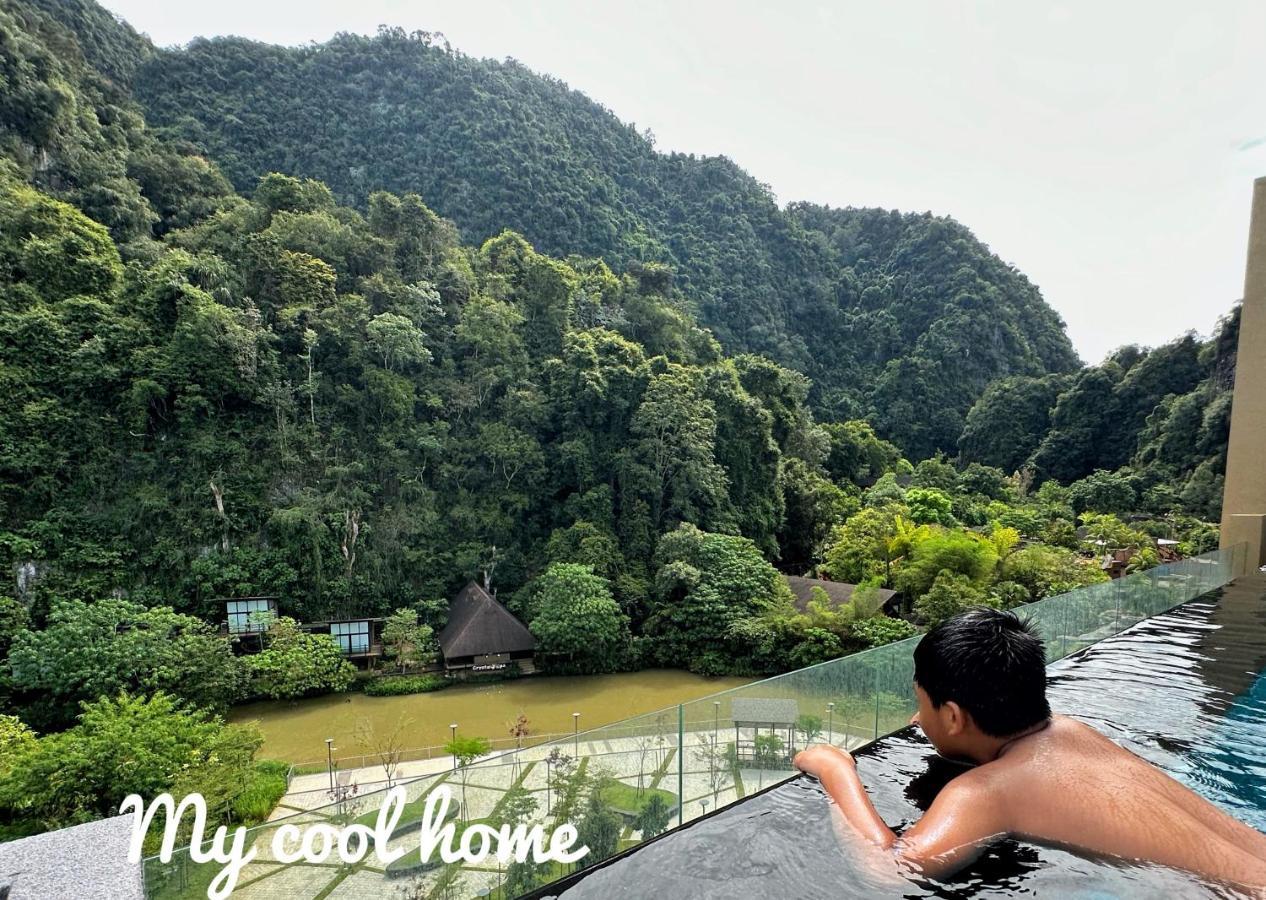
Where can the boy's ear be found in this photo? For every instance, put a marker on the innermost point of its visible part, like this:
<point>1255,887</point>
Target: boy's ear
<point>954,717</point>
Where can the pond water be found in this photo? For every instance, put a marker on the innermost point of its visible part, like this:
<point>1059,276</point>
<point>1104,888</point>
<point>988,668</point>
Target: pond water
<point>296,731</point>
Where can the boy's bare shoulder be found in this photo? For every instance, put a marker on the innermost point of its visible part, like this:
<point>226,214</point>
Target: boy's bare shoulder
<point>1069,725</point>
<point>1063,741</point>
<point>1066,733</point>
<point>1075,737</point>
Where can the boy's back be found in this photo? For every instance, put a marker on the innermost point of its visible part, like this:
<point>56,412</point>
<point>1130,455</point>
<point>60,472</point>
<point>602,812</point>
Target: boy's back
<point>980,682</point>
<point>1068,784</point>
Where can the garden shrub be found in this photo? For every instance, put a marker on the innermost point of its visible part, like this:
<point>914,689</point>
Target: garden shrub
<point>264,787</point>
<point>395,686</point>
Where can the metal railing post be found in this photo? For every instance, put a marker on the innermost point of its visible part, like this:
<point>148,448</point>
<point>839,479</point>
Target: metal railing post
<point>681,765</point>
<point>877,684</point>
<point>1116,597</point>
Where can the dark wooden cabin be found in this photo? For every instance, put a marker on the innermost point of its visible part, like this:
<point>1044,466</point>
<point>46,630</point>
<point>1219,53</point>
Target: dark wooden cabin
<point>483,636</point>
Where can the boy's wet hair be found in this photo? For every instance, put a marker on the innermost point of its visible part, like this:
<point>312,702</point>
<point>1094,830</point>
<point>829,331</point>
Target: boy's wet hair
<point>991,664</point>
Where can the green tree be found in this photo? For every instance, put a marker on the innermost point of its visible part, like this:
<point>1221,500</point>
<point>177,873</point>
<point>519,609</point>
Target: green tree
<point>406,640</point>
<point>653,818</point>
<point>986,481</point>
<point>958,552</point>
<point>809,727</point>
<point>1081,421</point>
<point>856,454</point>
<point>52,249</point>
<point>1104,492</point>
<point>814,507</point>
<point>599,830</point>
<point>675,432</point>
<point>862,547</point>
<point>768,751</point>
<point>949,594</point>
<point>1112,532</point>
<point>88,650</point>
<point>465,750</point>
<point>517,807</point>
<point>885,492</point>
<point>1044,571</point>
<point>397,341</point>
<point>123,745</point>
<point>14,617</point>
<point>935,473</point>
<point>1009,420</point>
<point>879,630</point>
<point>704,584</point>
<point>297,664</point>
<point>577,622</point>
<point>16,739</point>
<point>929,506</point>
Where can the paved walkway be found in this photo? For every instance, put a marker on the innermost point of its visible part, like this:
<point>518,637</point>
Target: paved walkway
<point>639,761</point>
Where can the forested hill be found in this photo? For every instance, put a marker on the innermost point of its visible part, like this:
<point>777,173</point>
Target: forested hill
<point>879,308</point>
<point>211,393</point>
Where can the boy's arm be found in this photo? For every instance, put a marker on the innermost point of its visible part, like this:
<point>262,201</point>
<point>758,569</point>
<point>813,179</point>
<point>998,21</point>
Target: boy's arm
<point>961,819</point>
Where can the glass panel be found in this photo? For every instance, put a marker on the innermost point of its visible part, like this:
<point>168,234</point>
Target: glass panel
<point>1047,617</point>
<point>352,637</point>
<point>630,780</point>
<point>1090,615</point>
<point>240,613</point>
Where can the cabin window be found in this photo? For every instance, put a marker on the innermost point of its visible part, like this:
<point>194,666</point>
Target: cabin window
<point>352,637</point>
<point>249,616</point>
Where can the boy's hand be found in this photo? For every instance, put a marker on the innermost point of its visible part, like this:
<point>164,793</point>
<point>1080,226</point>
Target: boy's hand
<point>821,758</point>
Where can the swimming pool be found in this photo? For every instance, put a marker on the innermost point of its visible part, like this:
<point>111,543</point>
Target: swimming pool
<point>1184,690</point>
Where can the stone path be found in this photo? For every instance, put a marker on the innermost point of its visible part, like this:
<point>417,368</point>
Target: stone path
<point>487,782</point>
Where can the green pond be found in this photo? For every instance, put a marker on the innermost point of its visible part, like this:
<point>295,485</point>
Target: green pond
<point>296,731</point>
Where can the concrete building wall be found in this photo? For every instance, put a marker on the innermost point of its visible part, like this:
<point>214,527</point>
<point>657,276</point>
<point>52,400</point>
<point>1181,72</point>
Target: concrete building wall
<point>1244,498</point>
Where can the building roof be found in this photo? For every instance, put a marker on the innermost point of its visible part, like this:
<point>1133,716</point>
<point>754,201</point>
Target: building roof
<point>838,592</point>
<point>87,860</point>
<point>763,711</point>
<point>343,620</point>
<point>479,624</point>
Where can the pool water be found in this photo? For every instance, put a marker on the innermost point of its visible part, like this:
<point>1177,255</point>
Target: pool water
<point>1232,770</point>
<point>1184,690</point>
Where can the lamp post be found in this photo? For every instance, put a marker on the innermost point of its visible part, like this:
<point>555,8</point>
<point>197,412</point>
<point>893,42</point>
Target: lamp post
<point>830,718</point>
<point>329,761</point>
<point>704,804</point>
<point>716,719</point>
<point>575,733</point>
<point>452,733</point>
<point>549,778</point>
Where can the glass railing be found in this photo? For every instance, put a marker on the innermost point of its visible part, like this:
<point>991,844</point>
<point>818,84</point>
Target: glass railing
<point>626,782</point>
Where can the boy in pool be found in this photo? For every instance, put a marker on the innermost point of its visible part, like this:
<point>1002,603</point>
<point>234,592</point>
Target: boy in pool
<point>980,679</point>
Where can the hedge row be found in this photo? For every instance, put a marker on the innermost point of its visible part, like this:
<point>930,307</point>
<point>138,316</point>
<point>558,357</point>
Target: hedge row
<point>394,686</point>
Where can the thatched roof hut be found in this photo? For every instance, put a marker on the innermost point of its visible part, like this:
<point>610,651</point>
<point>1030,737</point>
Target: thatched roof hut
<point>481,632</point>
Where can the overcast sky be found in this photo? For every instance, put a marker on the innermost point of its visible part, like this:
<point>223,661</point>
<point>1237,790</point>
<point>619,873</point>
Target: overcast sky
<point>1107,150</point>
